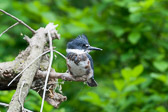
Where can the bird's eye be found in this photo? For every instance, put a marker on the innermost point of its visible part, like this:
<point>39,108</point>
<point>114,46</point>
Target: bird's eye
<point>85,45</point>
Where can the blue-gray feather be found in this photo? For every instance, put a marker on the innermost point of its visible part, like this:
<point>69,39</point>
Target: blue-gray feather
<point>91,82</point>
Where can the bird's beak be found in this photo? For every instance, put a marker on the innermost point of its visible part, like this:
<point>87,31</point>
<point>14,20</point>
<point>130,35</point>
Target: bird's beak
<point>94,48</point>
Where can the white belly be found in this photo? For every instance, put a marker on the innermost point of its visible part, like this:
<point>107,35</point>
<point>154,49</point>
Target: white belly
<point>82,69</point>
<point>78,70</point>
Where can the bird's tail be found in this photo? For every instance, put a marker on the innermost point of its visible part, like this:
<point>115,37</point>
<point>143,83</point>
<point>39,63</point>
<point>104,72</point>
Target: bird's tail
<point>91,82</point>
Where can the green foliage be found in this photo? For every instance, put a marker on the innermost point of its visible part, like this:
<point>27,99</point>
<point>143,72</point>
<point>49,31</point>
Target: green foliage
<point>132,69</point>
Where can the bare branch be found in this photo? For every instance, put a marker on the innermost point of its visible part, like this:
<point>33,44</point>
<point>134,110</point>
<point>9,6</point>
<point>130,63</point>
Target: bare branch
<point>54,33</point>
<point>27,67</point>
<point>20,21</point>
<point>38,43</point>
<point>9,28</point>
<point>49,69</point>
<point>27,39</point>
<point>64,76</point>
<point>20,96</point>
<point>6,105</point>
<point>32,63</point>
<point>60,54</point>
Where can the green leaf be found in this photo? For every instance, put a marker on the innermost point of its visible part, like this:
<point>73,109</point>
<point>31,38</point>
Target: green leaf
<point>126,73</point>
<point>131,88</point>
<point>135,17</point>
<point>118,30</point>
<point>119,84</point>
<point>4,4</point>
<point>146,4</point>
<point>137,70</point>
<point>98,28</point>
<point>160,65</point>
<point>92,98</point>
<point>138,81</point>
<point>134,37</point>
<point>161,77</point>
<point>161,109</point>
<point>134,7</point>
<point>48,17</point>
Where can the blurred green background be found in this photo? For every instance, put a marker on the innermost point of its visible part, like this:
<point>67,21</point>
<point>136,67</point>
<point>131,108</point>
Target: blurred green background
<point>132,69</point>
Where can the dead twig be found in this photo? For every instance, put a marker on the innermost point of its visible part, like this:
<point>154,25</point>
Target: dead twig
<point>32,63</point>
<point>64,76</point>
<point>6,105</point>
<point>27,39</point>
<point>60,54</point>
<point>20,21</point>
<point>9,28</point>
<point>20,96</point>
<point>38,42</point>
<point>49,69</point>
<point>27,67</point>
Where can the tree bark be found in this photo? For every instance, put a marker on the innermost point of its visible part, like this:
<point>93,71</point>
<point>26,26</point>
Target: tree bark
<point>38,42</point>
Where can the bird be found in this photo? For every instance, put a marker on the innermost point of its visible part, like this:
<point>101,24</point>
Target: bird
<point>79,62</point>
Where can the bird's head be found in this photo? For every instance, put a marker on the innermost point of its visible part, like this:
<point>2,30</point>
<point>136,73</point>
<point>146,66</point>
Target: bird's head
<point>80,45</point>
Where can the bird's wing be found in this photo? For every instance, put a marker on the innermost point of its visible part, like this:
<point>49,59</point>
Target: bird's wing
<point>91,82</point>
<point>91,61</point>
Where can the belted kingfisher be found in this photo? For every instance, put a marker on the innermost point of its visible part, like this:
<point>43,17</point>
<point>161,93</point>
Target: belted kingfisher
<point>79,62</point>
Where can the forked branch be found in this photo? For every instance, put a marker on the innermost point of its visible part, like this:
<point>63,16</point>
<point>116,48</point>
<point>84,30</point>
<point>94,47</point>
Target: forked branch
<point>9,28</point>
<point>20,21</point>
